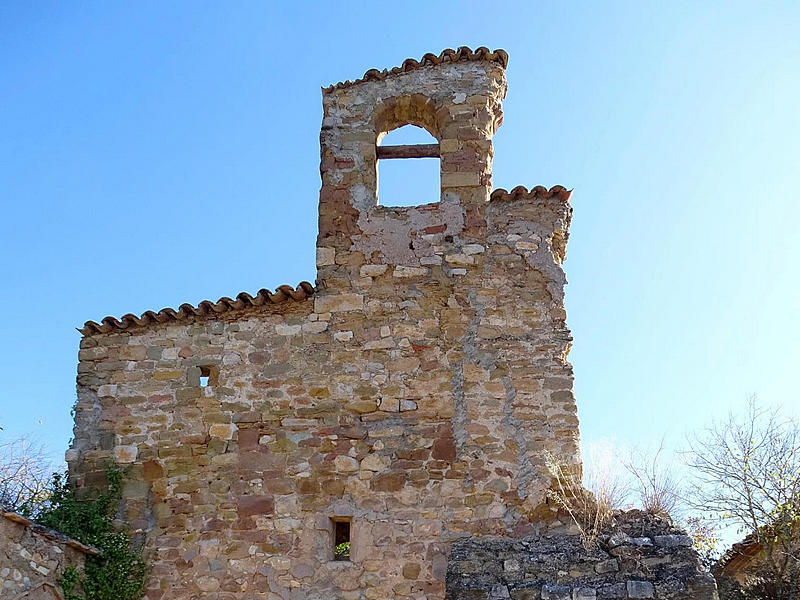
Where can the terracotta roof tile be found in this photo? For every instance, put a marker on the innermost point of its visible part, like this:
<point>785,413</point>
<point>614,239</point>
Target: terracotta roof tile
<point>521,192</point>
<point>464,53</point>
<point>50,534</point>
<point>738,557</point>
<point>282,293</point>
<point>206,307</point>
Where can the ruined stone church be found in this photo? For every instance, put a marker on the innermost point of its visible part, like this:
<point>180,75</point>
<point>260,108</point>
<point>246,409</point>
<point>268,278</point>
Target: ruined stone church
<point>382,433</point>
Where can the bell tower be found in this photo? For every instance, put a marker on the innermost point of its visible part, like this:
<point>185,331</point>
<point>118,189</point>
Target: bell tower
<point>456,96</point>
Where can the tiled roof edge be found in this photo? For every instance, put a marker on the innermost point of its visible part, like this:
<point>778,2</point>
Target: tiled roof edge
<point>744,549</point>
<point>205,308</point>
<point>48,533</point>
<point>521,192</point>
<point>464,53</point>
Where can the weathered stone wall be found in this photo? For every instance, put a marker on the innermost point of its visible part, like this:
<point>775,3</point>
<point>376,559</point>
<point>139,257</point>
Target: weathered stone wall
<point>415,393</point>
<point>640,556</point>
<point>31,556</point>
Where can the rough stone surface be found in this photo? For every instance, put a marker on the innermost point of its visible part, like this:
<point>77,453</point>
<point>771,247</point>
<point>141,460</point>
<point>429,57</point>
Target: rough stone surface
<point>32,559</point>
<point>414,394</point>
<point>640,589</point>
<point>555,566</point>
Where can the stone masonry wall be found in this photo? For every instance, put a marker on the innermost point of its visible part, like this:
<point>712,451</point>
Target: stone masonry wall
<point>640,556</point>
<point>31,556</point>
<point>414,394</point>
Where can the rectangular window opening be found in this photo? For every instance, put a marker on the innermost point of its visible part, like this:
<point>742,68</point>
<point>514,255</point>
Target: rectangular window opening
<point>205,376</point>
<point>341,540</point>
<point>408,182</point>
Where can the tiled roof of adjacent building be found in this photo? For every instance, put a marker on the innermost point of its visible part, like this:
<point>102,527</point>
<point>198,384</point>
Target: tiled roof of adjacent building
<point>46,532</point>
<point>205,308</point>
<point>521,192</point>
<point>449,55</point>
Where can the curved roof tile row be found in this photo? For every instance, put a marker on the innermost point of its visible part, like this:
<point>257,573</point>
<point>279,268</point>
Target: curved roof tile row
<point>282,294</point>
<point>522,193</point>
<point>464,53</point>
<point>186,311</point>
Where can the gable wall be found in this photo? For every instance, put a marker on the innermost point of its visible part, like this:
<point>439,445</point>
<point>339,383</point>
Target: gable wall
<point>416,393</point>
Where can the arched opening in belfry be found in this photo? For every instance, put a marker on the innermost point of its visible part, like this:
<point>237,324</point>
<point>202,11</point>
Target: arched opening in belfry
<point>408,167</point>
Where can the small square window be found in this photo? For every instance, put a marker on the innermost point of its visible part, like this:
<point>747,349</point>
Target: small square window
<point>341,540</point>
<point>207,375</point>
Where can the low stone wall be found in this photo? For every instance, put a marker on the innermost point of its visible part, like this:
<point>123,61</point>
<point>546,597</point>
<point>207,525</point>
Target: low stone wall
<point>32,558</point>
<point>641,557</point>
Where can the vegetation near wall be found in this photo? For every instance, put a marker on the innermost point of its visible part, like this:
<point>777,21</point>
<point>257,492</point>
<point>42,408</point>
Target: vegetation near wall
<point>119,573</point>
<point>24,475</point>
<point>746,470</point>
<point>748,467</point>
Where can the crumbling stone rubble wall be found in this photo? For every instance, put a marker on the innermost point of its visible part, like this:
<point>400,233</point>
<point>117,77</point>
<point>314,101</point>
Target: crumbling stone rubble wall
<point>413,391</point>
<point>32,558</point>
<point>640,556</point>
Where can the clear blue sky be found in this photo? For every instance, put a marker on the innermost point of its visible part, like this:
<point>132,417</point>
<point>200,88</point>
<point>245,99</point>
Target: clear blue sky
<point>157,153</point>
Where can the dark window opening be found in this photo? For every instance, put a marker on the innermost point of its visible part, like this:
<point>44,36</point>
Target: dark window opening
<point>341,540</point>
<point>409,181</point>
<point>205,375</point>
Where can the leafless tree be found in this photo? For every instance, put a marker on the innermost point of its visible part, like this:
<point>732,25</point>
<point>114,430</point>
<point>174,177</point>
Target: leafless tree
<point>657,488</point>
<point>25,473</point>
<point>748,471</point>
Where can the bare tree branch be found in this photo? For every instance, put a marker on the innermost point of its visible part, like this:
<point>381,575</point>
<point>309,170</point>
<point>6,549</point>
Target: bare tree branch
<point>748,473</point>
<point>658,489</point>
<point>25,474</point>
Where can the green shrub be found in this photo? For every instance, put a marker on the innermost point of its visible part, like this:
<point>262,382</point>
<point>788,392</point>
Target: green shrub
<point>342,551</point>
<point>119,572</point>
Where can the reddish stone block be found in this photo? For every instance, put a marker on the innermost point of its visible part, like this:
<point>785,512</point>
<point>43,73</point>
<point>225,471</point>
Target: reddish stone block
<point>444,448</point>
<point>247,506</point>
<point>248,439</point>
<point>388,482</point>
